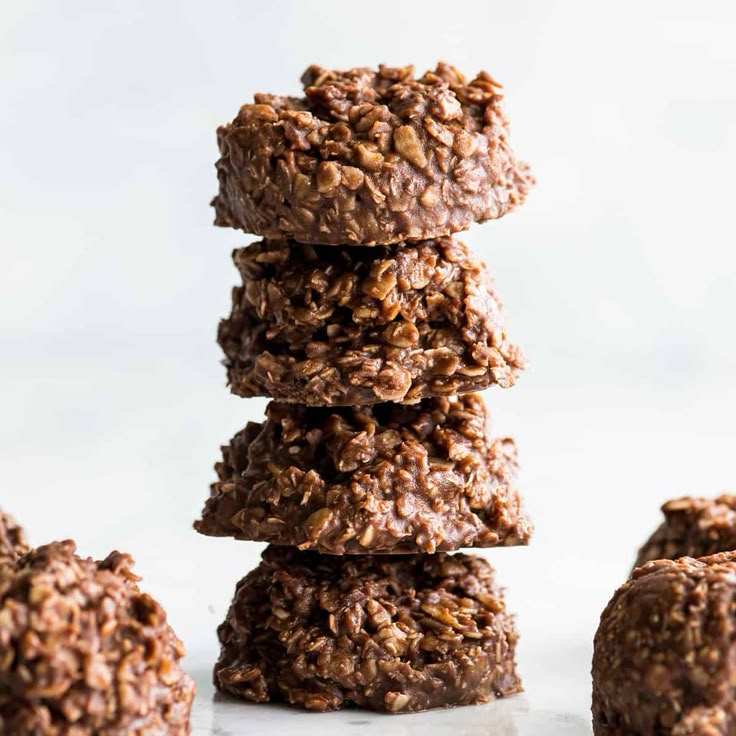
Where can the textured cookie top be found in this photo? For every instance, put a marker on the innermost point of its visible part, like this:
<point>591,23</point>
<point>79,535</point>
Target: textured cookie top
<point>664,651</point>
<point>90,652</point>
<point>325,326</point>
<point>369,156</point>
<point>12,539</point>
<point>382,478</point>
<point>391,632</point>
<point>693,527</point>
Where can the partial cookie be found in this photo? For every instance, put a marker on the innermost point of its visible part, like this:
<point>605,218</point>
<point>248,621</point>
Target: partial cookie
<point>664,651</point>
<point>12,539</point>
<point>84,651</point>
<point>693,527</point>
<point>390,633</point>
<point>369,157</point>
<point>382,478</point>
<point>352,326</point>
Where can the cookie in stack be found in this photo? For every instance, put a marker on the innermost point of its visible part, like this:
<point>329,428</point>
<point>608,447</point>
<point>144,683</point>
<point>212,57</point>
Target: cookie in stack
<point>370,326</point>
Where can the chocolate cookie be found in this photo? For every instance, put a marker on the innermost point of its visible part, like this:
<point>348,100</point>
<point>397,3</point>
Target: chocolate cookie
<point>84,651</point>
<point>693,527</point>
<point>369,157</point>
<point>12,539</point>
<point>381,478</point>
<point>391,633</point>
<point>664,651</point>
<point>350,326</point>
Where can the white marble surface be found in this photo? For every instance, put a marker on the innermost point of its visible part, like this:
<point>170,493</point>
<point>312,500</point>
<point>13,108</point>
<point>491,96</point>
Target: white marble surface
<point>516,716</point>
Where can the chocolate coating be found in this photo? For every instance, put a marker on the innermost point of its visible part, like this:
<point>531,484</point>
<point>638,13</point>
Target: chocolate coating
<point>664,651</point>
<point>369,157</point>
<point>389,633</point>
<point>352,326</point>
<point>383,478</point>
<point>692,527</point>
<point>84,651</point>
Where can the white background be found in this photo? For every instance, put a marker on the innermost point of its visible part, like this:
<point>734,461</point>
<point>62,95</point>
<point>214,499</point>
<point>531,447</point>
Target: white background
<point>618,275</point>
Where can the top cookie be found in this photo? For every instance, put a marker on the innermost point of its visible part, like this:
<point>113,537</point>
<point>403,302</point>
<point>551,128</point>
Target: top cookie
<point>369,157</point>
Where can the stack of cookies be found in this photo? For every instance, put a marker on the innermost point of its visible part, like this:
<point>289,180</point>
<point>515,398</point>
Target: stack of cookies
<point>370,326</point>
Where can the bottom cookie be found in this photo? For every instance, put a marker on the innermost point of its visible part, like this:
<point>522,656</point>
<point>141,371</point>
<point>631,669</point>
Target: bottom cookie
<point>389,633</point>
